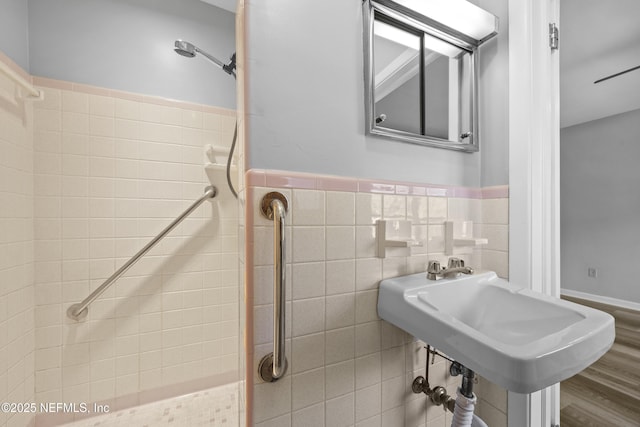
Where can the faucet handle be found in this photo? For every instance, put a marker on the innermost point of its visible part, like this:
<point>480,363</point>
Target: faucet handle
<point>434,267</point>
<point>455,262</point>
<point>434,270</point>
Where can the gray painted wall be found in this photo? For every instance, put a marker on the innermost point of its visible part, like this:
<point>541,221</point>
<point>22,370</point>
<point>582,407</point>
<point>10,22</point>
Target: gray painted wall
<point>14,32</point>
<point>493,89</point>
<point>600,209</point>
<point>128,45</point>
<point>306,100</point>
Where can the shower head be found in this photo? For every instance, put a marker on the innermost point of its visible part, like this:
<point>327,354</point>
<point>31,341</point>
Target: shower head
<point>189,50</point>
<point>185,48</point>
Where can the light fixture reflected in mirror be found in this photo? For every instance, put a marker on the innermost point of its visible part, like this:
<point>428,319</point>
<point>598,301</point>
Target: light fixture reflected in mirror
<point>459,15</point>
<point>420,70</point>
<point>395,34</point>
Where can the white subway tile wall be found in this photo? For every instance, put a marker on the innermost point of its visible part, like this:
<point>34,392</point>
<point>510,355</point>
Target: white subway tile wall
<point>111,172</point>
<point>17,332</point>
<point>346,366</point>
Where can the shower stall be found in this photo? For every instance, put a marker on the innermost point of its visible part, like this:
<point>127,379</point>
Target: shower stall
<point>120,260</point>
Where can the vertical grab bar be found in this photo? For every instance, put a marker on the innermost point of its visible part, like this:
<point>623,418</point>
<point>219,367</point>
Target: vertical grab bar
<point>274,365</point>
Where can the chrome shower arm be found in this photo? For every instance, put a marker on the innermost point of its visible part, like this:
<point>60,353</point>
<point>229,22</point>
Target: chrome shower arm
<point>210,57</point>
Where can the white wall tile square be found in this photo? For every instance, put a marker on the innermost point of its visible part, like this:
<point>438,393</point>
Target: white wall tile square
<point>368,208</point>
<point>341,310</point>
<point>418,210</point>
<point>75,102</point>
<point>340,208</point>
<point>340,242</point>
<point>339,379</point>
<point>366,241</point>
<point>366,306</point>
<point>308,244</point>
<point>307,389</point>
<point>394,207</point>
<point>340,411</point>
<point>368,370</point>
<point>392,392</point>
<point>309,279</point>
<point>313,416</point>
<point>272,399</point>
<point>306,353</point>
<point>308,316</point>
<point>340,345</point>
<point>367,338</point>
<point>392,417</point>
<point>340,276</point>
<point>308,207</point>
<point>460,208</point>
<point>392,362</point>
<point>495,211</point>
<point>368,401</point>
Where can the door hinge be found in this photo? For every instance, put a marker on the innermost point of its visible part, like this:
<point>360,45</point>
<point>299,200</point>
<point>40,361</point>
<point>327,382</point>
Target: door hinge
<point>553,36</point>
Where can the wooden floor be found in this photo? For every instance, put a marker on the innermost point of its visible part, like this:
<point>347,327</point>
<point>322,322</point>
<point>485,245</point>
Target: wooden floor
<point>607,394</point>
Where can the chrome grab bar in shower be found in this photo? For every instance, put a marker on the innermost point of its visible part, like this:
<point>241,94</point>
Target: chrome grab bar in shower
<point>80,310</point>
<point>274,365</point>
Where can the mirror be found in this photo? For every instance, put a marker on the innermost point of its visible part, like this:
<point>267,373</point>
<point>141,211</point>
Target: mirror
<point>420,76</point>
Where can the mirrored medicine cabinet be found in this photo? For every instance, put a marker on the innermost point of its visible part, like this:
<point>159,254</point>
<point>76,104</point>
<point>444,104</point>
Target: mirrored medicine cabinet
<point>420,59</point>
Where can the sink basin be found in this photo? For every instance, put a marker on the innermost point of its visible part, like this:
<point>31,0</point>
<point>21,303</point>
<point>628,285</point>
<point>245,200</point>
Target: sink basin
<point>517,338</point>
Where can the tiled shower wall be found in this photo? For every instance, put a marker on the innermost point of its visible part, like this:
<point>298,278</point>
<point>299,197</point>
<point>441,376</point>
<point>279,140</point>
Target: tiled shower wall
<point>113,169</point>
<point>346,366</point>
<point>16,250</point>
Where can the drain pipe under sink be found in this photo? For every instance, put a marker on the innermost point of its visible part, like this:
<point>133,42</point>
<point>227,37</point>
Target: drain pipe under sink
<point>463,415</point>
<point>463,406</point>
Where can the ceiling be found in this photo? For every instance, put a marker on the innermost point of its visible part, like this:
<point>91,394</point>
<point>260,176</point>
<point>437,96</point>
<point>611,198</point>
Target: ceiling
<point>229,5</point>
<point>598,38</point>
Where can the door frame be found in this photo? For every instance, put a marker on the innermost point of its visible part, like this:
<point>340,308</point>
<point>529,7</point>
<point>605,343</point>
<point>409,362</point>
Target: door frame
<point>534,176</point>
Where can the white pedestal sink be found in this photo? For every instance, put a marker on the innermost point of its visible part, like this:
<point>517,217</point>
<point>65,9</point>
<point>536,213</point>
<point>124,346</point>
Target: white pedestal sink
<point>514,337</point>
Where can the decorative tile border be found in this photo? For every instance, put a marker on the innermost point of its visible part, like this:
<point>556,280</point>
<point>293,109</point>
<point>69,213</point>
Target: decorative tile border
<point>300,180</point>
<point>496,192</point>
<point>130,96</point>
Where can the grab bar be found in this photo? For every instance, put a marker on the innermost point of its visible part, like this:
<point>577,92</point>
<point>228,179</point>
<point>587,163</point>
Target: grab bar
<point>80,310</point>
<point>274,365</point>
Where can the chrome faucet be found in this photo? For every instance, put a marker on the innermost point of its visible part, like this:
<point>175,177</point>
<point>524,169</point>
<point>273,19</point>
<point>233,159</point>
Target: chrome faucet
<point>455,266</point>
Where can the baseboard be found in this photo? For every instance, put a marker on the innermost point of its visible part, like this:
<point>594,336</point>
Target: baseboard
<point>599,298</point>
